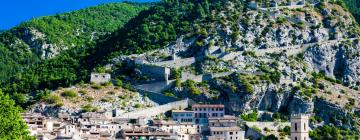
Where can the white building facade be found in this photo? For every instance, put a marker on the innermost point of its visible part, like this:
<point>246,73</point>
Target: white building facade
<point>299,127</point>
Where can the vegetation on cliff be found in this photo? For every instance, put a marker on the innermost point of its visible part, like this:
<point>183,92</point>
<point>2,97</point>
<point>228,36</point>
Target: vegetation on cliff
<point>24,72</point>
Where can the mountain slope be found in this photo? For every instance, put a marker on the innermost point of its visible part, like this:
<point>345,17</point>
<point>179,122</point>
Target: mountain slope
<point>37,51</point>
<point>51,34</point>
<point>277,56</point>
<point>285,60</point>
<point>354,7</point>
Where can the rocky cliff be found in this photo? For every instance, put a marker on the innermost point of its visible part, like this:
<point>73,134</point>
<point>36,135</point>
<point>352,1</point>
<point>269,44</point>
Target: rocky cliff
<point>278,56</point>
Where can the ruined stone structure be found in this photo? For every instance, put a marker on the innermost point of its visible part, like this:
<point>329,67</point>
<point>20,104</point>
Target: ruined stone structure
<point>299,127</point>
<point>99,78</point>
<point>157,72</point>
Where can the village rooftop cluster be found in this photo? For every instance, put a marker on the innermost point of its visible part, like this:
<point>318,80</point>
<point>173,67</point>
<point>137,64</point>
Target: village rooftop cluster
<point>198,121</point>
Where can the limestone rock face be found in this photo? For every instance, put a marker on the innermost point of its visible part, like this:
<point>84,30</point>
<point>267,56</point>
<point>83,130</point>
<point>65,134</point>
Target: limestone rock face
<point>332,113</point>
<point>339,61</point>
<point>37,41</point>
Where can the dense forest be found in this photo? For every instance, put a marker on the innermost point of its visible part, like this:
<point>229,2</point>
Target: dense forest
<point>24,74</point>
<point>354,7</point>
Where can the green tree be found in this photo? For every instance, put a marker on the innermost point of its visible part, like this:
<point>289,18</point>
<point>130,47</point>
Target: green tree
<point>200,11</point>
<point>12,126</point>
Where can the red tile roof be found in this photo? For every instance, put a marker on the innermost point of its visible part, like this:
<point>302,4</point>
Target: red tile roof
<point>208,106</point>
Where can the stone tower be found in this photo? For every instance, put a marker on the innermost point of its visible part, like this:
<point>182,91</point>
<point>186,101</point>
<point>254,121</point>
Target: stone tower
<point>299,127</point>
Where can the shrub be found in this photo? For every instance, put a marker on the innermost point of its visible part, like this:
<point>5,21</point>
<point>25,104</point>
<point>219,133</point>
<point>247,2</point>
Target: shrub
<point>83,92</point>
<point>96,86</point>
<point>128,86</point>
<point>247,86</point>
<point>69,94</point>
<point>249,53</point>
<point>252,117</point>
<point>106,84</point>
<point>285,131</point>
<point>169,94</point>
<point>105,100</point>
<point>137,105</point>
<point>52,99</point>
<point>178,82</point>
<point>59,104</point>
<point>190,84</point>
<point>86,108</point>
<point>118,83</point>
<point>89,98</point>
<point>175,74</point>
<point>266,129</point>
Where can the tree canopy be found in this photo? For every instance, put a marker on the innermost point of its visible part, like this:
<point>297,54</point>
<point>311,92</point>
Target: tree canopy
<point>12,126</point>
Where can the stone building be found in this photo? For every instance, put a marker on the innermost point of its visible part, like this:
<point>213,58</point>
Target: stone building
<point>182,131</point>
<point>99,78</point>
<point>204,111</point>
<point>226,121</point>
<point>144,133</point>
<point>182,116</point>
<point>299,127</point>
<point>226,133</point>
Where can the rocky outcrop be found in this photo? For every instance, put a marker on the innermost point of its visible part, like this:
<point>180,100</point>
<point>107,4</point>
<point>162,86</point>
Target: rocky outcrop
<point>299,105</point>
<point>37,41</point>
<point>339,60</point>
<point>331,113</point>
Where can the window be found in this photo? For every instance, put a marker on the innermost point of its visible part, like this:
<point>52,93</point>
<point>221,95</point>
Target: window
<point>304,138</point>
<point>295,138</point>
<point>295,128</point>
<point>214,114</point>
<point>305,126</point>
<point>231,133</point>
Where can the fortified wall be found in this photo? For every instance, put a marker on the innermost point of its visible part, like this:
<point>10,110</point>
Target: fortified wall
<point>151,112</point>
<point>157,72</point>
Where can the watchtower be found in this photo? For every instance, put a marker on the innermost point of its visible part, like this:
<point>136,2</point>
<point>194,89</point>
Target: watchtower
<point>299,127</point>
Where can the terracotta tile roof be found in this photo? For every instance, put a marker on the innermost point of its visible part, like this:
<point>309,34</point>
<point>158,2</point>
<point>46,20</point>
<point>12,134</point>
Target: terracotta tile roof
<point>235,128</point>
<point>226,117</point>
<point>179,111</point>
<point>208,106</point>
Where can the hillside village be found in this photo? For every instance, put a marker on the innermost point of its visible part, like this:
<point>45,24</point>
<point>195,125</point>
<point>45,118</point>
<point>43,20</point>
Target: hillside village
<point>197,121</point>
<point>227,88</point>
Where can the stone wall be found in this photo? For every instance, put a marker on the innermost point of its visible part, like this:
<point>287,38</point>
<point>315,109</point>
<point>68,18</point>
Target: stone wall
<point>204,77</point>
<point>99,78</point>
<point>157,72</point>
<point>156,97</point>
<point>156,87</point>
<point>151,112</point>
<point>177,63</point>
